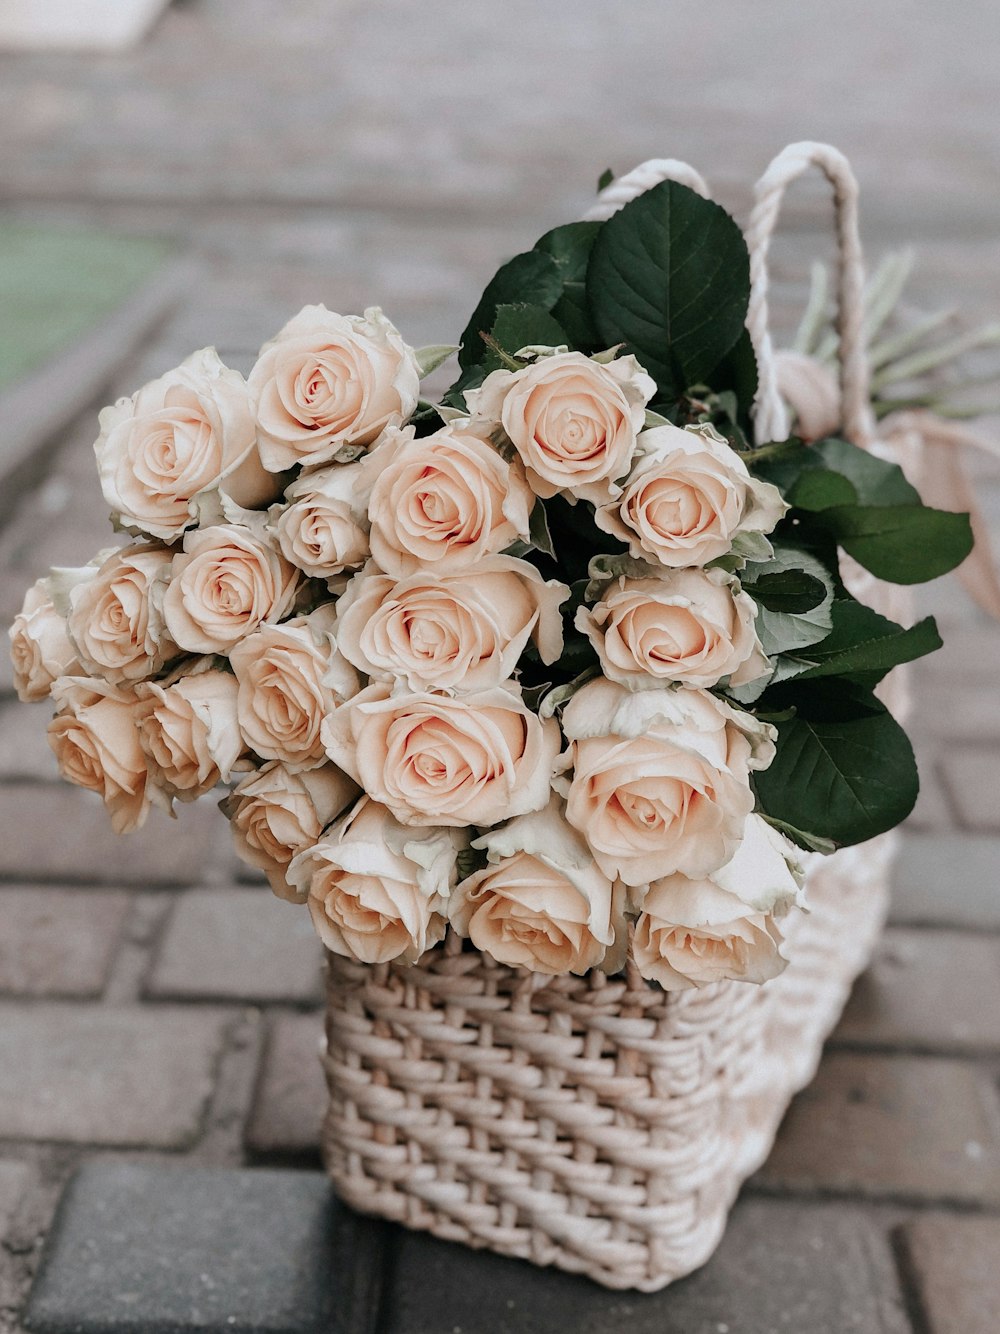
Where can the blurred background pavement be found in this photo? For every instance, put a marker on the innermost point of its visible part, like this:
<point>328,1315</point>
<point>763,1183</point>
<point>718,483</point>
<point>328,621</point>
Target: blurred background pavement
<point>246,159</point>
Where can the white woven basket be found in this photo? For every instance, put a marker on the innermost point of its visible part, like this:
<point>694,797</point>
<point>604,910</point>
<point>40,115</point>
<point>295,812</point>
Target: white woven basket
<point>596,1124</point>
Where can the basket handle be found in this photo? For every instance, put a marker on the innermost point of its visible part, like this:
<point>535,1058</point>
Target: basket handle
<point>770,412</point>
<point>625,188</point>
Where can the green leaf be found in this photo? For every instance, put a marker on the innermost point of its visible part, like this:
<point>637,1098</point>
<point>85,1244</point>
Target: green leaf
<point>430,358</point>
<point>533,278</point>
<point>538,530</point>
<point>904,544</point>
<point>819,489</point>
<point>570,247</point>
<point>865,479</point>
<point>793,591</point>
<point>737,373</point>
<point>876,481</point>
<point>669,277</point>
<point>863,642</point>
<point>521,325</point>
<point>810,842</point>
<point>784,631</point>
<point>605,179</point>
<point>840,772</point>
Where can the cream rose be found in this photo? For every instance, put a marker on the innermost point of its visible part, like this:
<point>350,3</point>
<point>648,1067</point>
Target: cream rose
<point>688,497</point>
<point>40,647</point>
<point>660,778</point>
<point>224,585</point>
<point>275,813</point>
<point>443,501</point>
<point>185,435</point>
<point>290,678</point>
<point>330,380</point>
<point>689,626</point>
<point>725,926</point>
<point>115,619</point>
<point>435,760</point>
<point>189,733</point>
<point>95,739</point>
<point>542,903</point>
<point>377,890</point>
<point>322,530</point>
<point>449,631</point>
<point>573,420</point>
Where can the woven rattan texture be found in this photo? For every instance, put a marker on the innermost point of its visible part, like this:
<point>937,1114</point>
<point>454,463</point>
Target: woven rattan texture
<point>581,1122</point>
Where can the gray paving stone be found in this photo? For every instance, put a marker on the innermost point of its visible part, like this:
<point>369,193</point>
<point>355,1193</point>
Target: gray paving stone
<point>164,1250</point>
<point>948,880</point>
<point>64,834</point>
<point>58,942</point>
<point>932,811</point>
<point>935,990</point>
<point>14,1178</point>
<point>952,1261</point>
<point>291,1095</point>
<point>972,778</point>
<point>781,1266</point>
<point>102,1075</point>
<point>892,1126</point>
<point>238,944</point>
<point>24,749</point>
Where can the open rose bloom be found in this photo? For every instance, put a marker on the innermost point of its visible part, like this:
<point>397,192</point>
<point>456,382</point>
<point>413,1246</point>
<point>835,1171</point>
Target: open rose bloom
<point>513,670</point>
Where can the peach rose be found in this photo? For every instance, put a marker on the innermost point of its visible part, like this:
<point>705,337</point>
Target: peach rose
<point>690,933</point>
<point>541,903</point>
<point>189,733</point>
<point>181,437</point>
<point>443,501</point>
<point>376,889</point>
<point>275,813</point>
<point>689,626</point>
<point>114,619</point>
<point>290,678</point>
<point>321,530</point>
<point>330,380</point>
<point>447,631</point>
<point>437,760</point>
<point>95,739</point>
<point>224,585</point>
<point>688,497</point>
<point>573,420</point>
<point>40,647</point>
<point>660,778</point>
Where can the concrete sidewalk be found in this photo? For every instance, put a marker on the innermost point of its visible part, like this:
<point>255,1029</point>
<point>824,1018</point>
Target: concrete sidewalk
<point>156,1006</point>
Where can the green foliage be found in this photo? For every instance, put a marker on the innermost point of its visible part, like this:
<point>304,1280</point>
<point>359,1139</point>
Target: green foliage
<point>532,278</point>
<point>669,277</point>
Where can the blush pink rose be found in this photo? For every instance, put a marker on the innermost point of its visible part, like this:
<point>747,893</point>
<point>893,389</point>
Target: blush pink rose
<point>225,584</point>
<point>376,889</point>
<point>189,733</point>
<point>323,529</point>
<point>447,631</point>
<point>40,647</point>
<point>694,627</point>
<point>330,380</point>
<point>688,497</point>
<point>437,760</point>
<point>180,438</point>
<point>443,501</point>
<point>573,420</point>
<point>115,619</point>
<point>95,739</point>
<point>660,778</point>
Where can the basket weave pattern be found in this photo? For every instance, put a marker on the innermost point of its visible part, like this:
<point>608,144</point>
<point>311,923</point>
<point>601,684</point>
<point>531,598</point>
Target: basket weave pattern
<point>595,1124</point>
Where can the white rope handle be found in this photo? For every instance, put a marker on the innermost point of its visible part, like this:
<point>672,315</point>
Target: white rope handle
<point>770,412</point>
<point>625,188</point>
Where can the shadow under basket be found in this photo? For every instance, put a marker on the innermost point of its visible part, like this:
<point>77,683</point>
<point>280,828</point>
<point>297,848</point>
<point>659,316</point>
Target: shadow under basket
<point>582,1122</point>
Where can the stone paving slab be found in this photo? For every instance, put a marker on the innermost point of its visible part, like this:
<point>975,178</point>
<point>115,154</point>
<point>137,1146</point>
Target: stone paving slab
<point>972,779</point>
<point>291,1094</point>
<point>59,942</point>
<point>14,1179</point>
<point>810,1269</point>
<point>953,1263</point>
<point>949,880</point>
<point>106,1076</point>
<point>237,944</point>
<point>895,1127</point>
<point>165,1250</point>
<point>930,990</point>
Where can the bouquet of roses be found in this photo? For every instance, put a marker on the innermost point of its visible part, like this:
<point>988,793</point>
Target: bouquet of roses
<point>565,662</point>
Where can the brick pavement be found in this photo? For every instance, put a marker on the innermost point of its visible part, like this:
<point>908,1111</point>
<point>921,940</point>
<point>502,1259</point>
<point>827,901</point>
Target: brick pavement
<point>158,1007</point>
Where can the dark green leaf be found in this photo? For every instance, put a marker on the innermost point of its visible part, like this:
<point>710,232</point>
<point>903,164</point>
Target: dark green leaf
<point>538,530</point>
<point>793,591</point>
<point>863,642</point>
<point>669,277</point>
<point>820,489</point>
<point>737,373</point>
<point>570,247</point>
<point>810,842</point>
<point>876,481</point>
<point>605,179</point>
<point>518,326</point>
<point>533,277</point>
<point>904,544</point>
<point>785,631</point>
<point>843,778</point>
